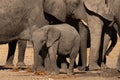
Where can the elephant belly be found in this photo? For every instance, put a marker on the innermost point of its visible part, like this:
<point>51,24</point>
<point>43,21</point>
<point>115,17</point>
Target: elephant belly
<point>65,48</point>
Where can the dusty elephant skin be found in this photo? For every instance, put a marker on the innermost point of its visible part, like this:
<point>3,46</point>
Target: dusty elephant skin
<point>18,17</point>
<point>82,30</point>
<point>76,9</point>
<point>11,53</point>
<point>102,11</point>
<point>60,39</point>
<point>64,8</point>
<point>110,34</point>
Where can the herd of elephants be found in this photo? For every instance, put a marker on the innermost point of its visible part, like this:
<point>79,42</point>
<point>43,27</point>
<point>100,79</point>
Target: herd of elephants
<point>64,28</point>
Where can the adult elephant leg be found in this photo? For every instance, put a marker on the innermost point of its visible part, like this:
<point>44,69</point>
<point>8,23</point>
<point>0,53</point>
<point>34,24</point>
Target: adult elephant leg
<point>110,34</point>
<point>105,46</point>
<point>95,26</point>
<point>21,52</point>
<point>52,54</point>
<point>83,48</point>
<point>47,64</point>
<point>11,52</point>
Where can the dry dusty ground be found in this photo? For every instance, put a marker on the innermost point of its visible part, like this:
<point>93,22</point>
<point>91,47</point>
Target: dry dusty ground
<point>9,74</point>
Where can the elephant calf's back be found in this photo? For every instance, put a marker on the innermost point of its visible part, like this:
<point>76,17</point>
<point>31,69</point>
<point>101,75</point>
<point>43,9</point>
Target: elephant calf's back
<point>68,37</point>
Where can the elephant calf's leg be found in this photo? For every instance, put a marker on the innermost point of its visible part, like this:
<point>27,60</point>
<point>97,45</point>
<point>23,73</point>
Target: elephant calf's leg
<point>73,56</point>
<point>52,53</point>
<point>47,64</point>
<point>38,60</point>
<point>72,62</point>
<point>62,63</point>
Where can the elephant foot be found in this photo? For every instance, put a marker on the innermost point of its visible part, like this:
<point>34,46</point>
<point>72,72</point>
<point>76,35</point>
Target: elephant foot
<point>80,68</point>
<point>85,68</point>
<point>21,64</point>
<point>15,69</point>
<point>9,65</point>
<point>104,66</point>
<point>94,67</point>
<point>55,71</point>
<point>48,71</point>
<point>63,68</point>
<point>39,70</point>
<point>70,72</point>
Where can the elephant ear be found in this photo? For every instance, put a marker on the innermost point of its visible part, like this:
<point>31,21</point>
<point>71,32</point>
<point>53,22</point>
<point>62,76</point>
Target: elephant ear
<point>56,8</point>
<point>52,36</point>
<point>100,7</point>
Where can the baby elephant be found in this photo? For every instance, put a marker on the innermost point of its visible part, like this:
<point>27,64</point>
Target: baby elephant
<point>60,39</point>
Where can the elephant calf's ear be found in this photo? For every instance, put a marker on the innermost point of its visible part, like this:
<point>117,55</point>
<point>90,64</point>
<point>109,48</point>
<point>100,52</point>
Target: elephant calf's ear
<point>52,36</point>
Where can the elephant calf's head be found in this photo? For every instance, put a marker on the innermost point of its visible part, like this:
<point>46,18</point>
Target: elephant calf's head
<point>46,35</point>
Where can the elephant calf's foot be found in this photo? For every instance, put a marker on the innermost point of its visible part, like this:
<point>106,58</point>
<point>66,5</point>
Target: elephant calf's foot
<point>55,71</point>
<point>70,72</point>
<point>93,67</point>
<point>39,70</point>
<point>63,68</point>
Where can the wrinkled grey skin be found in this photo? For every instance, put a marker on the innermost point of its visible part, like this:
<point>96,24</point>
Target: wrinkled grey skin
<point>85,41</point>
<point>109,35</point>
<point>97,12</point>
<point>60,39</point>
<point>18,19</point>
<point>64,8</point>
<point>101,11</point>
<point>62,63</point>
<point>11,52</point>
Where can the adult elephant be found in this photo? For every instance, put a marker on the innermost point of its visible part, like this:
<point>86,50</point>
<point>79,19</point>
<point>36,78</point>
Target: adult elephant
<point>19,18</point>
<point>70,8</point>
<point>98,12</point>
<point>11,52</point>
